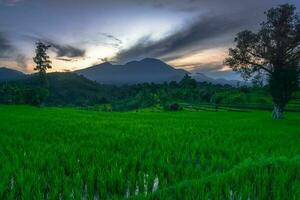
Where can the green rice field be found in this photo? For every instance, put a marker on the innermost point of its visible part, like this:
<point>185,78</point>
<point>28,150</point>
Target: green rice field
<point>67,153</point>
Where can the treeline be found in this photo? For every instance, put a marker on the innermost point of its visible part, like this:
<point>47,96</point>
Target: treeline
<point>168,95</point>
<point>12,94</point>
<point>68,89</point>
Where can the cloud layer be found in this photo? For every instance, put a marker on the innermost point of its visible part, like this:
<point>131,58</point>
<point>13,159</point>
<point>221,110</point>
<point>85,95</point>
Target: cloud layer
<point>63,52</point>
<point>66,51</point>
<point>5,46</point>
<point>196,36</point>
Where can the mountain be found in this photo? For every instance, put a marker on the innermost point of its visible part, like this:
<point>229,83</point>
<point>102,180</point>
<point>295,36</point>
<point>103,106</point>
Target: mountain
<point>200,77</point>
<point>146,70</point>
<point>70,88</point>
<point>234,83</point>
<point>10,74</point>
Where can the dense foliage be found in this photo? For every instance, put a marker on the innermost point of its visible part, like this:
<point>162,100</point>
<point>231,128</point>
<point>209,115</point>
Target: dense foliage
<point>68,89</point>
<point>275,51</point>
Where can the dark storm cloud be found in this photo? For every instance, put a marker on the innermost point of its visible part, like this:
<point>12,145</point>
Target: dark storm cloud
<point>6,48</point>
<point>193,36</point>
<point>63,51</point>
<point>219,21</point>
<point>67,51</point>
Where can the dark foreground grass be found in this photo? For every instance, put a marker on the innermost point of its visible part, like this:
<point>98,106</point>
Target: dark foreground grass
<point>52,153</point>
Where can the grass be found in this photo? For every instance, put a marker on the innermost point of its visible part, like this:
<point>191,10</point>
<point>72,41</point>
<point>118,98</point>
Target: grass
<point>62,153</point>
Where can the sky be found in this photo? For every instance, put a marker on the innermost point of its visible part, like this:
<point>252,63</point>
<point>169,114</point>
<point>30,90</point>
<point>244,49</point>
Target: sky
<point>190,34</point>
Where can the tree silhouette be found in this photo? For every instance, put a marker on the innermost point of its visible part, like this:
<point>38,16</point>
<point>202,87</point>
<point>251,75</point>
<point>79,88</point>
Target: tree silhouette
<point>42,60</point>
<point>188,82</point>
<point>273,50</point>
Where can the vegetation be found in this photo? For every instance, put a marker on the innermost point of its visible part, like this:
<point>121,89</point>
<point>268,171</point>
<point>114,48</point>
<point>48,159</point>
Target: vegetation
<point>147,155</point>
<point>178,140</point>
<point>68,89</point>
<point>274,51</point>
<point>42,60</point>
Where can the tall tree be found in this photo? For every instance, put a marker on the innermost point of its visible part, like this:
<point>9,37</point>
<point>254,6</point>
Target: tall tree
<point>188,82</point>
<point>42,60</point>
<point>273,50</point>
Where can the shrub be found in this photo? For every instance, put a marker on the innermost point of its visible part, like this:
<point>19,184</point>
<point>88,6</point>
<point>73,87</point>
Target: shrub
<point>262,101</point>
<point>172,107</point>
<point>36,96</point>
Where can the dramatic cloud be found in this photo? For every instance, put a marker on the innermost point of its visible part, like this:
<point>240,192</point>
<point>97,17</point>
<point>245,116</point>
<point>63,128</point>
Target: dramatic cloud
<point>6,47</point>
<point>91,31</point>
<point>67,51</point>
<point>63,52</point>
<point>196,36</point>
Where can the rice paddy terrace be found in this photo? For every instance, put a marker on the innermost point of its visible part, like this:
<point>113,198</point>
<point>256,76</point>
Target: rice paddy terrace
<point>62,153</point>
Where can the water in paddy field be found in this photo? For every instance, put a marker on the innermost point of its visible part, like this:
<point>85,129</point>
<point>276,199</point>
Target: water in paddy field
<point>146,183</point>
<point>96,193</point>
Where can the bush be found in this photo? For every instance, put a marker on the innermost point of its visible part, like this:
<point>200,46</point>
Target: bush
<point>172,107</point>
<point>14,94</point>
<point>262,101</point>
<point>218,99</point>
<point>36,96</point>
<point>10,94</point>
<point>238,100</point>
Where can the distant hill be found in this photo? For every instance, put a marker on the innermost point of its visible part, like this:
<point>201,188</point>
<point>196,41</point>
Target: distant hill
<point>146,70</point>
<point>7,74</point>
<point>200,77</point>
<point>67,88</point>
<point>70,88</point>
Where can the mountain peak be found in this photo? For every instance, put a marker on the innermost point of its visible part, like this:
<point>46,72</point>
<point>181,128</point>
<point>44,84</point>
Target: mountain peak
<point>151,60</point>
<point>145,70</point>
<point>154,61</point>
<point>145,61</point>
